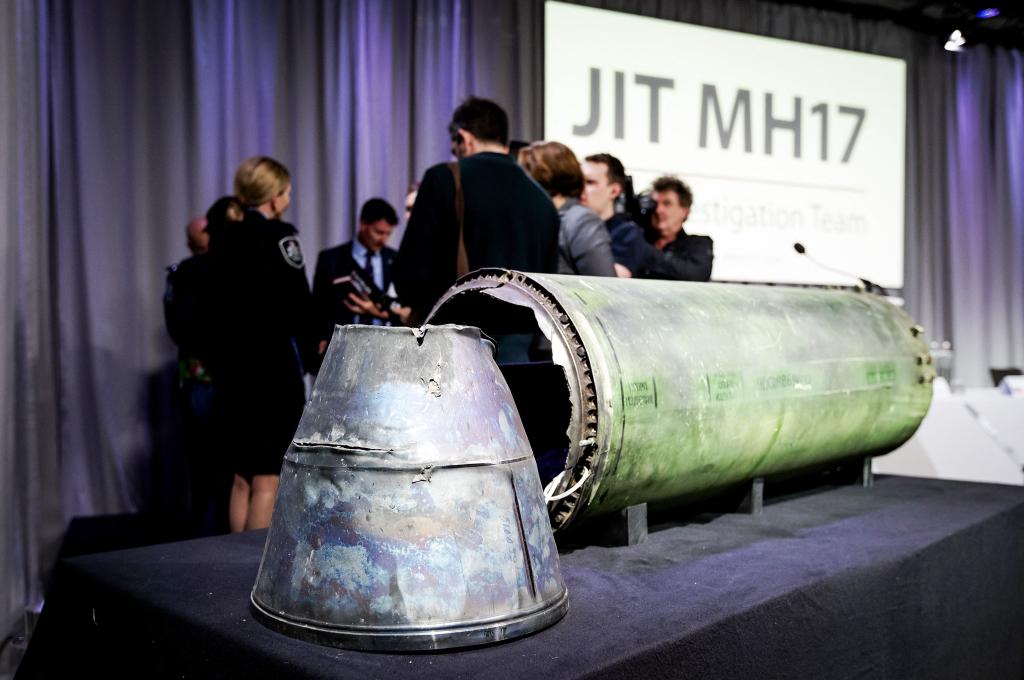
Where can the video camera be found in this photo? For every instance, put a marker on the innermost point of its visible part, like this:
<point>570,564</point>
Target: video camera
<point>358,281</point>
<point>640,208</point>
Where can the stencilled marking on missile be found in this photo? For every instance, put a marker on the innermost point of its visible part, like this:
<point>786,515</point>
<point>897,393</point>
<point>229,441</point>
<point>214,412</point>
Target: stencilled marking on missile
<point>786,382</point>
<point>725,386</point>
<point>640,393</point>
<point>880,373</point>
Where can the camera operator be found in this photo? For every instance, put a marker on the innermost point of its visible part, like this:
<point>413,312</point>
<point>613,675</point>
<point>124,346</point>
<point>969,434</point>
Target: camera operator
<point>680,256</point>
<point>351,279</point>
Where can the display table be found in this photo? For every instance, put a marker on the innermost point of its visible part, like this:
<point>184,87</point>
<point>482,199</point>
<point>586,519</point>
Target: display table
<point>913,578</point>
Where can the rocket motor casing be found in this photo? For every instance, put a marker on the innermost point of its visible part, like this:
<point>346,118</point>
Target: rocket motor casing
<point>678,389</point>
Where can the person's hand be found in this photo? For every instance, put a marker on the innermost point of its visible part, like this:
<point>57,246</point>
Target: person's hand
<point>360,304</point>
<point>322,347</point>
<point>403,313</point>
<point>622,271</point>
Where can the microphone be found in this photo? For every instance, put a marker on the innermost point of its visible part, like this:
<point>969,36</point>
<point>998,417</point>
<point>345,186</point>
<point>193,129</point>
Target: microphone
<point>869,286</point>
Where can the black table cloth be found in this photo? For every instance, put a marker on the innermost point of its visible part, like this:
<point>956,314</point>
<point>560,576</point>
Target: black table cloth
<point>913,578</point>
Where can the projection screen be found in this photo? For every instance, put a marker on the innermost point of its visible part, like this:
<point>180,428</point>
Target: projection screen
<point>780,141</point>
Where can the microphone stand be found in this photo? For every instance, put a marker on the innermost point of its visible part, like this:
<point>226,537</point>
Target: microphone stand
<point>865,284</point>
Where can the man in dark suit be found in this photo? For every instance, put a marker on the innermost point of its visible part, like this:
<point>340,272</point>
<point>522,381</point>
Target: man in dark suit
<point>371,259</point>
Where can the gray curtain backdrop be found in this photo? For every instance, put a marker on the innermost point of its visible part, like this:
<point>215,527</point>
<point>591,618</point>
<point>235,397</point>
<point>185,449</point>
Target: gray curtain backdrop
<point>985,151</point>
<point>30,468</point>
<point>128,118</point>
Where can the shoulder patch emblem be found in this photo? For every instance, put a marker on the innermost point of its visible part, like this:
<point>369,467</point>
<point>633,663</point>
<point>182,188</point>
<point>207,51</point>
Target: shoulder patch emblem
<point>291,250</point>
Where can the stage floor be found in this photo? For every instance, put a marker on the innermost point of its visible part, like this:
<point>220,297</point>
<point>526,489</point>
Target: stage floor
<point>914,578</point>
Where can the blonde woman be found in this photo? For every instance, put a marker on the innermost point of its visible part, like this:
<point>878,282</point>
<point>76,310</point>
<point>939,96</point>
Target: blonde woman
<point>264,337</point>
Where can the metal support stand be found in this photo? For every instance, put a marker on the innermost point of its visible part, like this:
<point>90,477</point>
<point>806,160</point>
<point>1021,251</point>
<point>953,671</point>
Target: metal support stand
<point>627,526</point>
<point>753,502</point>
<point>866,478</point>
<point>856,472</point>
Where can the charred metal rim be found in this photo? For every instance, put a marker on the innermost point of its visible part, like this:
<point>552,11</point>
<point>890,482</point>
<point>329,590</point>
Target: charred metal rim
<point>583,451</point>
<point>415,638</point>
<point>406,330</point>
<point>339,461</point>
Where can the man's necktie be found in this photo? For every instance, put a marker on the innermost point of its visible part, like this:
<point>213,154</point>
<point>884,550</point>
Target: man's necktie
<point>368,268</point>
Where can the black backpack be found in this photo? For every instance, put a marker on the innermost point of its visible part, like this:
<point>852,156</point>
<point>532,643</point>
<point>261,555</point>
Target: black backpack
<point>186,298</point>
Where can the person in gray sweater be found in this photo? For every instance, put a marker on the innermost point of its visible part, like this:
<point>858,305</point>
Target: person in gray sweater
<point>584,245</point>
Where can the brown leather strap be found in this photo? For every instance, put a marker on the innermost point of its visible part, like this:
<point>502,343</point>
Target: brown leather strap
<point>461,258</point>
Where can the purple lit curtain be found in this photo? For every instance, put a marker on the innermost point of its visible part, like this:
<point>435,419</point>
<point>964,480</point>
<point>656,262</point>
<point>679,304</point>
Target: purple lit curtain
<point>986,206</point>
<point>127,118</point>
<point>30,472</point>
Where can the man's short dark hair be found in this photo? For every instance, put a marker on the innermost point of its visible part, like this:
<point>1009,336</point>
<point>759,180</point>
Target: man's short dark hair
<point>670,183</point>
<point>378,209</point>
<point>616,173</point>
<point>487,121</point>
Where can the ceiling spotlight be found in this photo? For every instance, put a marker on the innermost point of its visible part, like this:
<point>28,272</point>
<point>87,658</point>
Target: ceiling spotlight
<point>988,13</point>
<point>955,42</point>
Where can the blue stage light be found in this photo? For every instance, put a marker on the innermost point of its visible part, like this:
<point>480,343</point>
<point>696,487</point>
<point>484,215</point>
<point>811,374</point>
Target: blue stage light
<point>988,13</point>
